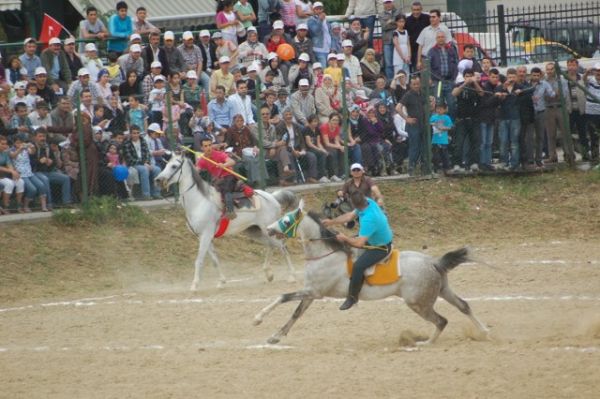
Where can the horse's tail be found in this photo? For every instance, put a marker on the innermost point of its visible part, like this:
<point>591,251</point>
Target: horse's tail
<point>452,259</point>
<point>286,199</point>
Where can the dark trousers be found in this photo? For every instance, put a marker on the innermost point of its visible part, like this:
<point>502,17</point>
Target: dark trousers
<point>367,259</point>
<point>440,157</point>
<point>466,142</point>
<point>226,185</point>
<point>593,129</point>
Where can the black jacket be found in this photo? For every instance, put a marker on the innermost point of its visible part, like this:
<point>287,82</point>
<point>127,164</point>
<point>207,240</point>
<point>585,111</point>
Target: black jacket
<point>213,55</point>
<point>148,56</point>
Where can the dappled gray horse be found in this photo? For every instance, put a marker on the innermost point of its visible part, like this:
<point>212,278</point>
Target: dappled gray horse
<point>424,278</point>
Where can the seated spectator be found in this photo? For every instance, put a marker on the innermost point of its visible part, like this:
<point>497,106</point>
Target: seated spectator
<point>10,179</point>
<point>191,90</point>
<point>314,145</point>
<point>32,98</point>
<point>103,86</point>
<point>222,77</point>
<point>191,53</point>
<point>242,103</point>
<point>252,50</point>
<point>86,104</point>
<point>385,117</point>
<point>120,27</point>
<point>43,89</point>
<point>137,156</point>
<point>83,83</point>
<point>34,185</point>
<point>276,38</point>
<point>40,116</point>
<point>153,53</point>
<point>274,112</point>
<point>14,72</point>
<point>302,43</point>
<point>132,61</point>
<point>317,69</point>
<point>141,26</point>
<point>382,93</point>
<point>359,37</point>
<point>20,94</point>
<point>118,118</point>
<point>73,59</point>
<point>156,146</point>
<point>303,103</point>
<point>301,70</point>
<point>148,81</point>
<point>245,147</point>
<point>115,73</point>
<point>356,124</point>
<point>330,136</point>
<point>91,28</point>
<point>20,121</point>
<point>220,110</point>
<point>137,113</point>
<point>62,121</point>
<point>283,100</point>
<point>29,60</point>
<point>304,162</point>
<point>371,69</point>
<point>91,61</point>
<point>209,58</point>
<point>333,69</point>
<point>59,73</point>
<point>280,71</point>
<point>173,57</point>
<point>328,99</point>
<point>131,86</point>
<point>399,85</point>
<point>352,64</point>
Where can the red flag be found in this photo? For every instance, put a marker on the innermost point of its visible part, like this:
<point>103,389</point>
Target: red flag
<point>50,28</point>
<point>203,103</point>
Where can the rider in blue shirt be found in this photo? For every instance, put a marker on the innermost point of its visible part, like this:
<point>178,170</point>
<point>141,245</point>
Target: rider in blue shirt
<point>374,235</point>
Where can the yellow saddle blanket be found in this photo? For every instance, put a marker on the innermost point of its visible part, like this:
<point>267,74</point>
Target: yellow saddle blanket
<point>382,273</point>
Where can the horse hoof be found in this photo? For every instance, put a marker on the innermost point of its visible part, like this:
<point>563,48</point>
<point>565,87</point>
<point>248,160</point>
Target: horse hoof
<point>423,343</point>
<point>273,340</point>
<point>221,285</point>
<point>194,287</point>
<point>257,320</point>
<point>269,277</point>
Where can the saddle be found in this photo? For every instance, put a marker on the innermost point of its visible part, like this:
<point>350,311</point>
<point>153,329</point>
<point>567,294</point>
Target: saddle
<point>383,273</point>
<point>243,197</point>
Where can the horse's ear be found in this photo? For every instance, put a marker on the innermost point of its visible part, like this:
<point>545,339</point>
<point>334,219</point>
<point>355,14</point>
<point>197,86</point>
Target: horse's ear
<point>301,204</point>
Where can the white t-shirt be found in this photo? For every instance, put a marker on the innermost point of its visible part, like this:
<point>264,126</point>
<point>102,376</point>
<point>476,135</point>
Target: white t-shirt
<point>426,38</point>
<point>592,108</point>
<point>306,7</point>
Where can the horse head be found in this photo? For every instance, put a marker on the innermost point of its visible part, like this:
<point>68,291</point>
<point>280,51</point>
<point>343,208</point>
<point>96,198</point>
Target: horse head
<point>172,171</point>
<point>287,226</point>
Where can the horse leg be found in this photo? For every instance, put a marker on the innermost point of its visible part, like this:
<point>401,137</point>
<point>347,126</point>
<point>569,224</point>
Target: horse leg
<point>204,245</point>
<point>286,254</point>
<point>266,265</point>
<point>302,306</point>
<point>292,296</point>
<point>217,265</point>
<point>428,313</point>
<point>463,306</point>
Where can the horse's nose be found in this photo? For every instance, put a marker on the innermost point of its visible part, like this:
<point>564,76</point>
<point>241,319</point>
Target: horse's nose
<point>270,231</point>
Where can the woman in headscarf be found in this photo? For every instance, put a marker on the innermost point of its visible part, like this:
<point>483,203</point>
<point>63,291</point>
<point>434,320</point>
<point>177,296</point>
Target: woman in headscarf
<point>389,135</point>
<point>328,99</point>
<point>371,69</point>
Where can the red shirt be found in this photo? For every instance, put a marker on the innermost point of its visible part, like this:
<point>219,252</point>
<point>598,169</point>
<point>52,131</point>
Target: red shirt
<point>215,171</point>
<point>332,134</point>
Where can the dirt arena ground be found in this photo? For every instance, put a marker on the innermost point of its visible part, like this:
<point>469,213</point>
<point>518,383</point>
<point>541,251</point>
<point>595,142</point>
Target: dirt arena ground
<point>540,296</point>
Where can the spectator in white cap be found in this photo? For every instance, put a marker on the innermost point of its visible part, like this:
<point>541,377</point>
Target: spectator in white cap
<point>83,83</point>
<point>301,70</point>
<point>191,54</point>
<point>328,98</point>
<point>29,60</point>
<point>120,27</point>
<point>209,59</point>
<point>320,32</point>
<point>227,21</point>
<point>302,43</point>
<point>141,26</point>
<point>91,28</point>
<point>245,13</point>
<point>72,57</point>
<point>132,61</point>
<point>154,52</point>
<point>54,60</point>
<point>191,90</point>
<point>148,81</point>
<point>352,64</point>
<point>135,38</point>
<point>252,50</point>
<point>90,59</point>
<point>277,36</point>
<point>222,77</point>
<point>279,70</point>
<point>333,69</point>
<point>366,12</point>
<point>174,59</point>
<point>225,47</point>
<point>44,90</point>
<point>303,102</point>
<point>358,37</point>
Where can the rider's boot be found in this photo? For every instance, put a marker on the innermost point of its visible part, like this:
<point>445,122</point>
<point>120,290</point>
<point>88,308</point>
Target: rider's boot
<point>230,214</point>
<point>352,297</point>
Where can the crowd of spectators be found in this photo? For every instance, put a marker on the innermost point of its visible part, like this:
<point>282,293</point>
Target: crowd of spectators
<point>206,86</point>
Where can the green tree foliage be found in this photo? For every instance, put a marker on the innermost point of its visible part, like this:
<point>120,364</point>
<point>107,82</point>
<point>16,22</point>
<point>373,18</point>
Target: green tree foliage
<point>336,7</point>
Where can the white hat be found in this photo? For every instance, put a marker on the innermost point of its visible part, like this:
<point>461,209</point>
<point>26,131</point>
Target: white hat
<point>347,43</point>
<point>331,56</point>
<point>20,85</point>
<point>303,82</point>
<point>251,29</point>
<point>40,71</point>
<point>155,127</point>
<point>83,72</point>
<point>340,57</point>
<point>278,24</point>
<point>388,1</point>
<point>596,66</point>
<point>69,40</point>
<point>191,75</point>
<point>204,33</point>
<point>187,35</point>
<point>217,35</point>
<point>159,78</point>
<point>335,25</point>
<point>29,40</point>
<point>464,64</point>
<point>317,4</point>
<point>361,94</point>
<point>135,36</point>
<point>156,64</point>
<point>357,166</point>
<point>135,48</point>
<point>224,59</point>
<point>304,57</point>
<point>169,35</point>
<point>252,68</point>
<point>317,65</point>
<point>271,56</point>
<point>54,40</point>
<point>90,47</point>
<point>302,26</point>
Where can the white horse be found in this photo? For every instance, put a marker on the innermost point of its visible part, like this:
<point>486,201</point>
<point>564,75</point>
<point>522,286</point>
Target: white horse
<point>423,278</point>
<point>203,209</point>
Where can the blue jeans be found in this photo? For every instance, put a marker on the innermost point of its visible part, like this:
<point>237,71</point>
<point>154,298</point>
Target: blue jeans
<point>147,179</point>
<point>414,145</point>
<point>204,81</point>
<point>388,59</point>
<point>446,95</point>
<point>36,184</point>
<point>487,139</point>
<point>355,154</point>
<point>369,22</point>
<point>65,185</point>
<point>322,58</point>
<point>509,134</point>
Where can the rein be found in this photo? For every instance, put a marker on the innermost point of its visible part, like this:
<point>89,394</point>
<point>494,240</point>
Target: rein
<point>320,257</point>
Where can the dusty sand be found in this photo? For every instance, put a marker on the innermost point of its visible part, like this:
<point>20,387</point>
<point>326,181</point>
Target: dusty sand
<point>541,300</point>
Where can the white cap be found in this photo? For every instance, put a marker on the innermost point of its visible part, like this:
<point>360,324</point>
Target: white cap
<point>156,64</point>
<point>597,66</point>
<point>303,82</point>
<point>317,4</point>
<point>135,48</point>
<point>83,72</point>
<point>217,35</point>
<point>29,40</point>
<point>154,127</point>
<point>187,35</point>
<point>331,56</point>
<point>304,57</point>
<point>465,64</point>
<point>90,47</point>
<point>224,59</point>
<point>340,57</point>
<point>357,166</point>
<point>69,40</point>
<point>317,65</point>
<point>54,40</point>
<point>20,85</point>
<point>40,71</point>
<point>251,29</point>
<point>335,25</point>
<point>135,36</point>
<point>347,43</point>
<point>204,33</point>
<point>388,1</point>
<point>252,68</point>
<point>159,77</point>
<point>271,56</point>
<point>361,94</point>
<point>302,26</point>
<point>169,35</point>
<point>191,75</point>
<point>278,24</point>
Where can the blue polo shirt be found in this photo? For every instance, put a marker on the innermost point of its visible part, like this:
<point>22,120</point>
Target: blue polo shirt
<point>374,224</point>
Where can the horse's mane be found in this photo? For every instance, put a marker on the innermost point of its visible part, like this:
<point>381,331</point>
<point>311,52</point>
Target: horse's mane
<point>200,183</point>
<point>328,235</point>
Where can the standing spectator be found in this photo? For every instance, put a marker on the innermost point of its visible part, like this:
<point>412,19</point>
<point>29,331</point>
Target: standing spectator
<point>367,12</point>
<point>91,28</point>
<point>401,59</point>
<point>120,27</point>
<point>387,20</point>
<point>225,47</point>
<point>29,60</point>
<point>156,100</point>
<point>154,52</point>
<point>356,125</point>
<point>372,143</point>
<point>440,125</point>
<point>175,61</point>
<point>444,70</point>
<point>91,61</point>
<point>488,110</point>
<point>227,21</point>
<point>137,155</point>
<point>72,57</point>
<point>288,16</point>
<point>54,60</point>
<point>320,33</point>
<point>92,154</point>
<point>554,116</point>
<point>337,37</point>
<point>592,111</point>
<point>527,113</point>
<point>578,99</point>
<point>303,103</point>
<point>428,36</point>
<point>222,77</point>
<point>412,110</point>
<point>140,25</point>
<point>509,127</point>
<point>10,179</point>
<point>220,110</point>
<point>266,8</point>
<point>468,94</point>
<point>44,162</point>
<point>132,61</point>
<point>469,54</point>
<point>415,23</point>
<point>191,53</point>
<point>304,10</point>
<point>302,43</point>
<point>245,13</point>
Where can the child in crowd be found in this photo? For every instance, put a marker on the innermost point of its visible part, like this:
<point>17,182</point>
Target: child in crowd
<point>195,123</point>
<point>137,113</point>
<point>318,74</point>
<point>99,119</point>
<point>401,60</point>
<point>20,120</point>
<point>118,119</point>
<point>20,94</point>
<point>333,69</point>
<point>32,97</point>
<point>115,74</point>
<point>268,81</point>
<point>441,123</point>
<point>34,183</point>
<point>156,100</point>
